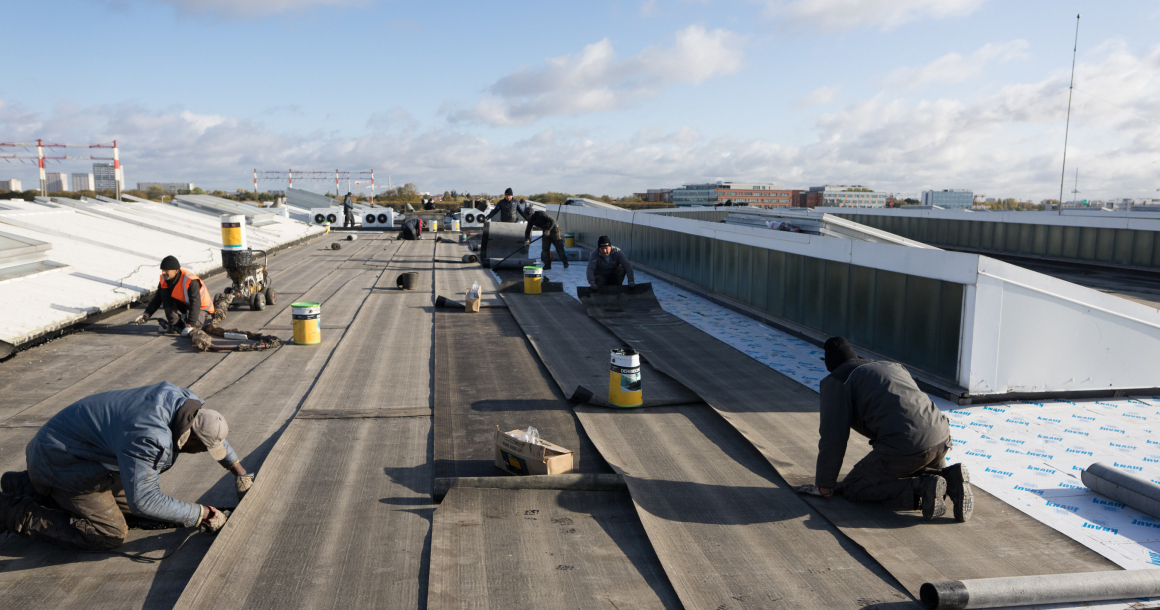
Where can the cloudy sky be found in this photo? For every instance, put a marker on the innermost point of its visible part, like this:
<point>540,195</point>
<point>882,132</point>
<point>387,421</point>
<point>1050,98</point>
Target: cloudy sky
<point>600,97</point>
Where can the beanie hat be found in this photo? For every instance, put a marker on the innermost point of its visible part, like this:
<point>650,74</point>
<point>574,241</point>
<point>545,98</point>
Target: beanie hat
<point>507,192</point>
<point>170,263</point>
<point>838,351</point>
<point>603,241</point>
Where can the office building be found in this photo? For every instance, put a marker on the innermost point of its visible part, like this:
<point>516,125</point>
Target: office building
<point>169,187</point>
<point>842,196</point>
<point>104,177</point>
<point>56,182</point>
<point>655,196</point>
<point>949,198</point>
<point>82,182</point>
<point>10,185</point>
<point>712,193</point>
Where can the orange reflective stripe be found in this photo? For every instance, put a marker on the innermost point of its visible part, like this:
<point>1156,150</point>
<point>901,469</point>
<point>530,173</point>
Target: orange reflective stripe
<point>181,289</point>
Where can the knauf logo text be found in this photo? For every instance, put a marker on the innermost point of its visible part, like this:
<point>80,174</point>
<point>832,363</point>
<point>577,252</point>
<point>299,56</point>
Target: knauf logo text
<point>1100,528</point>
<point>1070,486</point>
<point>1079,451</point>
<point>1015,451</point>
<point>1083,418</point>
<point>1153,460</point>
<point>1119,446</point>
<point>1080,432</point>
<point>1010,440</point>
<point>1039,454</point>
<point>1063,506</point>
<point>1108,429</point>
<point>1002,472</point>
<point>995,409</point>
<point>1034,491</point>
<point>982,425</point>
<point>1128,466</point>
<point>1038,469</point>
<point>1107,503</point>
<point>979,454</point>
<point>1050,438</point>
<point>1152,442</point>
<point>1134,416</point>
<point>1048,419</point>
<point>1015,421</point>
<point>1145,523</point>
<point>954,425</point>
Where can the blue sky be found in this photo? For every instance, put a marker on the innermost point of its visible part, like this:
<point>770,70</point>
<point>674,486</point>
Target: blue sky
<point>600,97</point>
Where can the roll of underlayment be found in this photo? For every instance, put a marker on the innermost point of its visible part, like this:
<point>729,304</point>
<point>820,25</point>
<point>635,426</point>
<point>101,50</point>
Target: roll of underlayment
<point>533,279</point>
<point>624,387</point>
<point>307,322</point>
<point>1135,491</point>
<point>234,232</point>
<point>1047,589</point>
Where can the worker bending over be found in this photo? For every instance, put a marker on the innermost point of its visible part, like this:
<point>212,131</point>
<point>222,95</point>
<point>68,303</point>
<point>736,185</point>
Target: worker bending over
<point>909,437</point>
<point>551,236</point>
<point>188,306</point>
<point>411,230</point>
<point>506,208</point>
<point>608,266</point>
<point>102,458</point>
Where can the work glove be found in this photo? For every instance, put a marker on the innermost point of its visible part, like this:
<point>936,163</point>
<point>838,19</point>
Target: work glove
<point>185,330</point>
<point>527,242</point>
<point>243,484</point>
<point>212,520</point>
<point>592,285</point>
<point>812,490</point>
<point>139,320</point>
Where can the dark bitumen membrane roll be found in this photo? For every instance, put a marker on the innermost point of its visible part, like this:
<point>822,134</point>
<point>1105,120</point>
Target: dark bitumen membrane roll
<point>1047,589</point>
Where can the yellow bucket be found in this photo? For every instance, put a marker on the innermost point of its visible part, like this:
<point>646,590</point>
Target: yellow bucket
<point>624,379</point>
<point>307,324</point>
<point>569,240</point>
<point>533,278</point>
<point>454,225</point>
<point>234,232</point>
<point>434,226</point>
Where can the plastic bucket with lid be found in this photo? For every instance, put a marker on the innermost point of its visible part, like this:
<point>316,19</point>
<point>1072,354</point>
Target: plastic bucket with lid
<point>569,240</point>
<point>234,232</point>
<point>533,279</point>
<point>307,325</point>
<point>624,388</point>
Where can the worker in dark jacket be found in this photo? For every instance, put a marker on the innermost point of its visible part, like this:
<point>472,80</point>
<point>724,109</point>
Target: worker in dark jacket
<point>347,211</point>
<point>608,266</point>
<point>188,306</point>
<point>102,457</point>
<point>551,237</point>
<point>909,437</point>
<point>411,229</point>
<point>506,208</point>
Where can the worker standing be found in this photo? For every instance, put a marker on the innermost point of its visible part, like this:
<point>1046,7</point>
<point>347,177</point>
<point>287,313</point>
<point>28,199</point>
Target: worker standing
<point>608,266</point>
<point>909,437</point>
<point>102,457</point>
<point>506,208</point>
<point>188,306</point>
<point>551,237</point>
<point>412,229</point>
<point>347,211</point>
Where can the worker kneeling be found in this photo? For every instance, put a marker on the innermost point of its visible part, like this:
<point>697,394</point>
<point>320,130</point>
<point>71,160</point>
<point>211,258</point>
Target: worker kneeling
<point>608,266</point>
<point>102,458</point>
<point>909,437</point>
<point>188,306</point>
<point>411,230</point>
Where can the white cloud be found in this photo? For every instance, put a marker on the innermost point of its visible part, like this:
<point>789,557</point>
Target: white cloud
<point>818,97</point>
<point>596,80</point>
<point>251,8</point>
<point>851,14</point>
<point>956,68</point>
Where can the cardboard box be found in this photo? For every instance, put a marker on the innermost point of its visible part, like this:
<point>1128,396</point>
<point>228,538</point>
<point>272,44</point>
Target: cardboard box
<point>471,305</point>
<point>517,457</point>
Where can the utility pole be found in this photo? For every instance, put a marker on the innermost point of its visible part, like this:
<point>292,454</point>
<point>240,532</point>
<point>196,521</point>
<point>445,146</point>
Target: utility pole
<point>1067,126</point>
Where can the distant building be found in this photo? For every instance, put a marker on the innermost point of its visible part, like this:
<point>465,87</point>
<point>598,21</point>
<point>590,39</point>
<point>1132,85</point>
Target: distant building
<point>104,177</point>
<point>169,187</point>
<point>656,196</point>
<point>10,185</point>
<point>843,196</point>
<point>56,182</point>
<point>952,198</point>
<point>272,191</point>
<point>82,182</point>
<point>758,195</point>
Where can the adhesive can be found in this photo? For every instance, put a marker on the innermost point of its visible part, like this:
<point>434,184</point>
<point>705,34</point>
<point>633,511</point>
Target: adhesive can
<point>454,225</point>
<point>307,324</point>
<point>434,226</point>
<point>234,232</point>
<point>569,240</point>
<point>533,278</point>
<point>624,379</point>
<point>326,225</point>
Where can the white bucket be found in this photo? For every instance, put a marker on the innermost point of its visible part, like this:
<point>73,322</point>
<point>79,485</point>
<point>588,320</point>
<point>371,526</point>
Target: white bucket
<point>234,232</point>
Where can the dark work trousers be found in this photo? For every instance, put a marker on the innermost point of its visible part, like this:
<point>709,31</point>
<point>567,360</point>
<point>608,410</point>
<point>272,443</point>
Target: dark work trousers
<point>892,479</point>
<point>612,277</point>
<point>549,239</point>
<point>177,312</point>
<point>88,513</point>
<point>405,233</point>
<point>348,218</point>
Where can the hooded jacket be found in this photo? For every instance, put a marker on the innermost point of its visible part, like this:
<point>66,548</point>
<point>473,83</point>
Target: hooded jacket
<point>125,430</point>
<point>880,401</point>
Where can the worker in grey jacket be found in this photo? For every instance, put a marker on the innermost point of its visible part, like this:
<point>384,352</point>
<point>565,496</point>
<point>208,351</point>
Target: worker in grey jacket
<point>506,208</point>
<point>909,437</point>
<point>102,457</point>
<point>608,266</point>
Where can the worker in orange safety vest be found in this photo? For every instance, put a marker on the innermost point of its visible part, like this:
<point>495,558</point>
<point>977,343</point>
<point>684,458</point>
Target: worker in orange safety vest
<point>188,306</point>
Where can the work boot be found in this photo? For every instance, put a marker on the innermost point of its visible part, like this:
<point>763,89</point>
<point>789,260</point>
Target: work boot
<point>548,267</point>
<point>933,489</point>
<point>18,483</point>
<point>565,263</point>
<point>959,489</point>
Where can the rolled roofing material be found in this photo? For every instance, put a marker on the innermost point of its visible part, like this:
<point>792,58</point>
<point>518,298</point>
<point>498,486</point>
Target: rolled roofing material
<point>503,240</point>
<point>1049,589</point>
<point>1137,492</point>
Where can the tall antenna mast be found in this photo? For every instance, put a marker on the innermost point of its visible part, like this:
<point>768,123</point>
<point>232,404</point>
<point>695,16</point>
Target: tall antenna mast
<point>1067,127</point>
